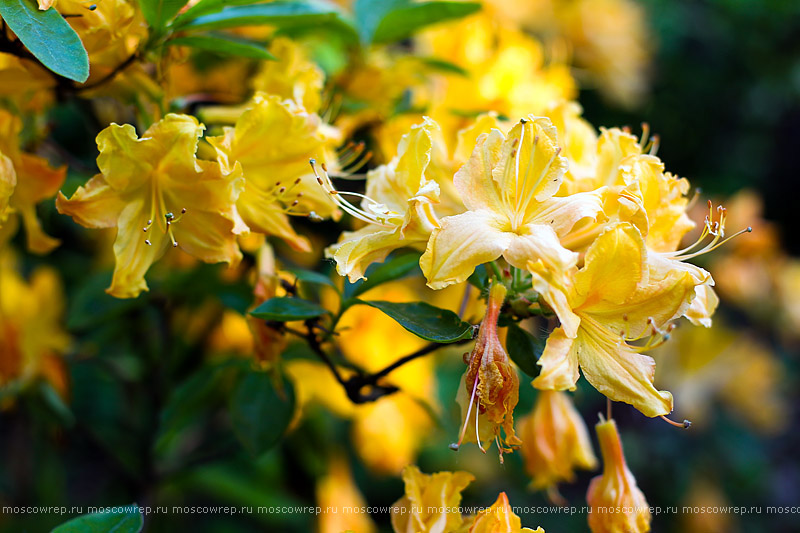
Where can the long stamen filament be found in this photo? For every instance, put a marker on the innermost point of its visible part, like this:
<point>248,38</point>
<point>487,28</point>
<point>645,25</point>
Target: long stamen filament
<point>457,445</point>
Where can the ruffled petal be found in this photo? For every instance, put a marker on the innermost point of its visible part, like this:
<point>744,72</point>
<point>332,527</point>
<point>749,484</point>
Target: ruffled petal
<point>559,363</point>
<point>462,243</point>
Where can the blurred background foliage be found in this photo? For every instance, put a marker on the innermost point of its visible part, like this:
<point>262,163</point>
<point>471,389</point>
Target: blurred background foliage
<point>147,417</point>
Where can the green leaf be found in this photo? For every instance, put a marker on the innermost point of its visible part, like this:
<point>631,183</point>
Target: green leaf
<point>383,21</point>
<point>224,44</point>
<point>479,278</point>
<point>48,37</point>
<point>260,413</point>
<point>278,14</point>
<point>56,404</point>
<point>309,276</point>
<point>424,320</point>
<point>524,349</point>
<point>443,66</point>
<point>158,13</point>
<point>397,267</point>
<point>285,309</point>
<point>126,519</point>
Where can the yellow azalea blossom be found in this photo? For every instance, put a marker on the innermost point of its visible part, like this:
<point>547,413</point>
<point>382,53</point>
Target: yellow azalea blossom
<point>340,501</point>
<point>157,193</point>
<point>25,84</point>
<point>507,186</point>
<point>273,141</point>
<point>507,69</point>
<point>500,518</point>
<point>398,206</point>
<point>293,76</point>
<point>490,386</point>
<point>618,506</point>
<point>613,299</point>
<point>35,181</point>
<point>555,440</point>
<point>32,336</point>
<point>430,503</point>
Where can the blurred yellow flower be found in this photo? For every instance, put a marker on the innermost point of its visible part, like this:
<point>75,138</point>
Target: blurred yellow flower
<point>341,501</point>
<point>507,186</point>
<point>293,76</point>
<point>273,141</point>
<point>32,336</point>
<point>156,192</point>
<point>617,503</point>
<point>611,300</point>
<point>500,518</point>
<point>490,386</point>
<point>31,180</point>
<point>555,440</point>
<point>430,503</point>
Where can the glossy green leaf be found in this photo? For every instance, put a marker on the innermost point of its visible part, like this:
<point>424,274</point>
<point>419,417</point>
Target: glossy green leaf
<point>524,349</point>
<point>158,13</point>
<point>260,412</point>
<point>224,44</point>
<point>396,267</point>
<point>383,21</point>
<point>126,519</point>
<point>278,14</point>
<point>285,309</point>
<point>309,276</point>
<point>425,321</point>
<point>48,37</point>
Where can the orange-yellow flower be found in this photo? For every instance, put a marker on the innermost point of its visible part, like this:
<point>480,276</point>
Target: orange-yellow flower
<point>618,506</point>
<point>341,501</point>
<point>555,440</point>
<point>500,518</point>
<point>32,337</point>
<point>613,299</point>
<point>430,503</point>
<point>489,389</point>
<point>273,141</point>
<point>25,180</point>
<point>508,186</point>
<point>157,193</point>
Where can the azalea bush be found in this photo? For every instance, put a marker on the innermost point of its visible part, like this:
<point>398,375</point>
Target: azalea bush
<point>368,266</point>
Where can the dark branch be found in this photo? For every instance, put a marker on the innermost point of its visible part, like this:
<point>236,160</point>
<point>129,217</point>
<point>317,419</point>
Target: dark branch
<point>111,75</point>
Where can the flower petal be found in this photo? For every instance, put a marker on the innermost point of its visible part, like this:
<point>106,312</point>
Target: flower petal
<point>620,373</point>
<point>562,213</point>
<point>538,241</point>
<point>474,180</point>
<point>559,363</point>
<point>462,243</point>
<point>95,205</point>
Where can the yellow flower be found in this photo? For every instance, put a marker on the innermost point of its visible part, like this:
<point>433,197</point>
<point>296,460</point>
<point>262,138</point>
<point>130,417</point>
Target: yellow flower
<point>555,440</point>
<point>507,69</point>
<point>611,300</point>
<point>35,181</point>
<point>430,503</point>
<point>618,506</point>
<point>490,386</point>
<point>398,206</point>
<point>32,337</point>
<point>293,76</point>
<point>341,501</point>
<point>500,518</point>
<point>156,192</point>
<point>273,141</point>
<point>507,186</point>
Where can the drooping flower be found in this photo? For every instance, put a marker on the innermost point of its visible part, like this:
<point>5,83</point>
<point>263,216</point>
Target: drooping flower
<point>507,186</point>
<point>273,141</point>
<point>157,193</point>
<point>489,389</point>
<point>268,342</point>
<point>555,440</point>
<point>25,180</point>
<point>500,518</point>
<point>617,503</point>
<point>341,501</point>
<point>430,503</point>
<point>398,206</point>
<point>612,300</point>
